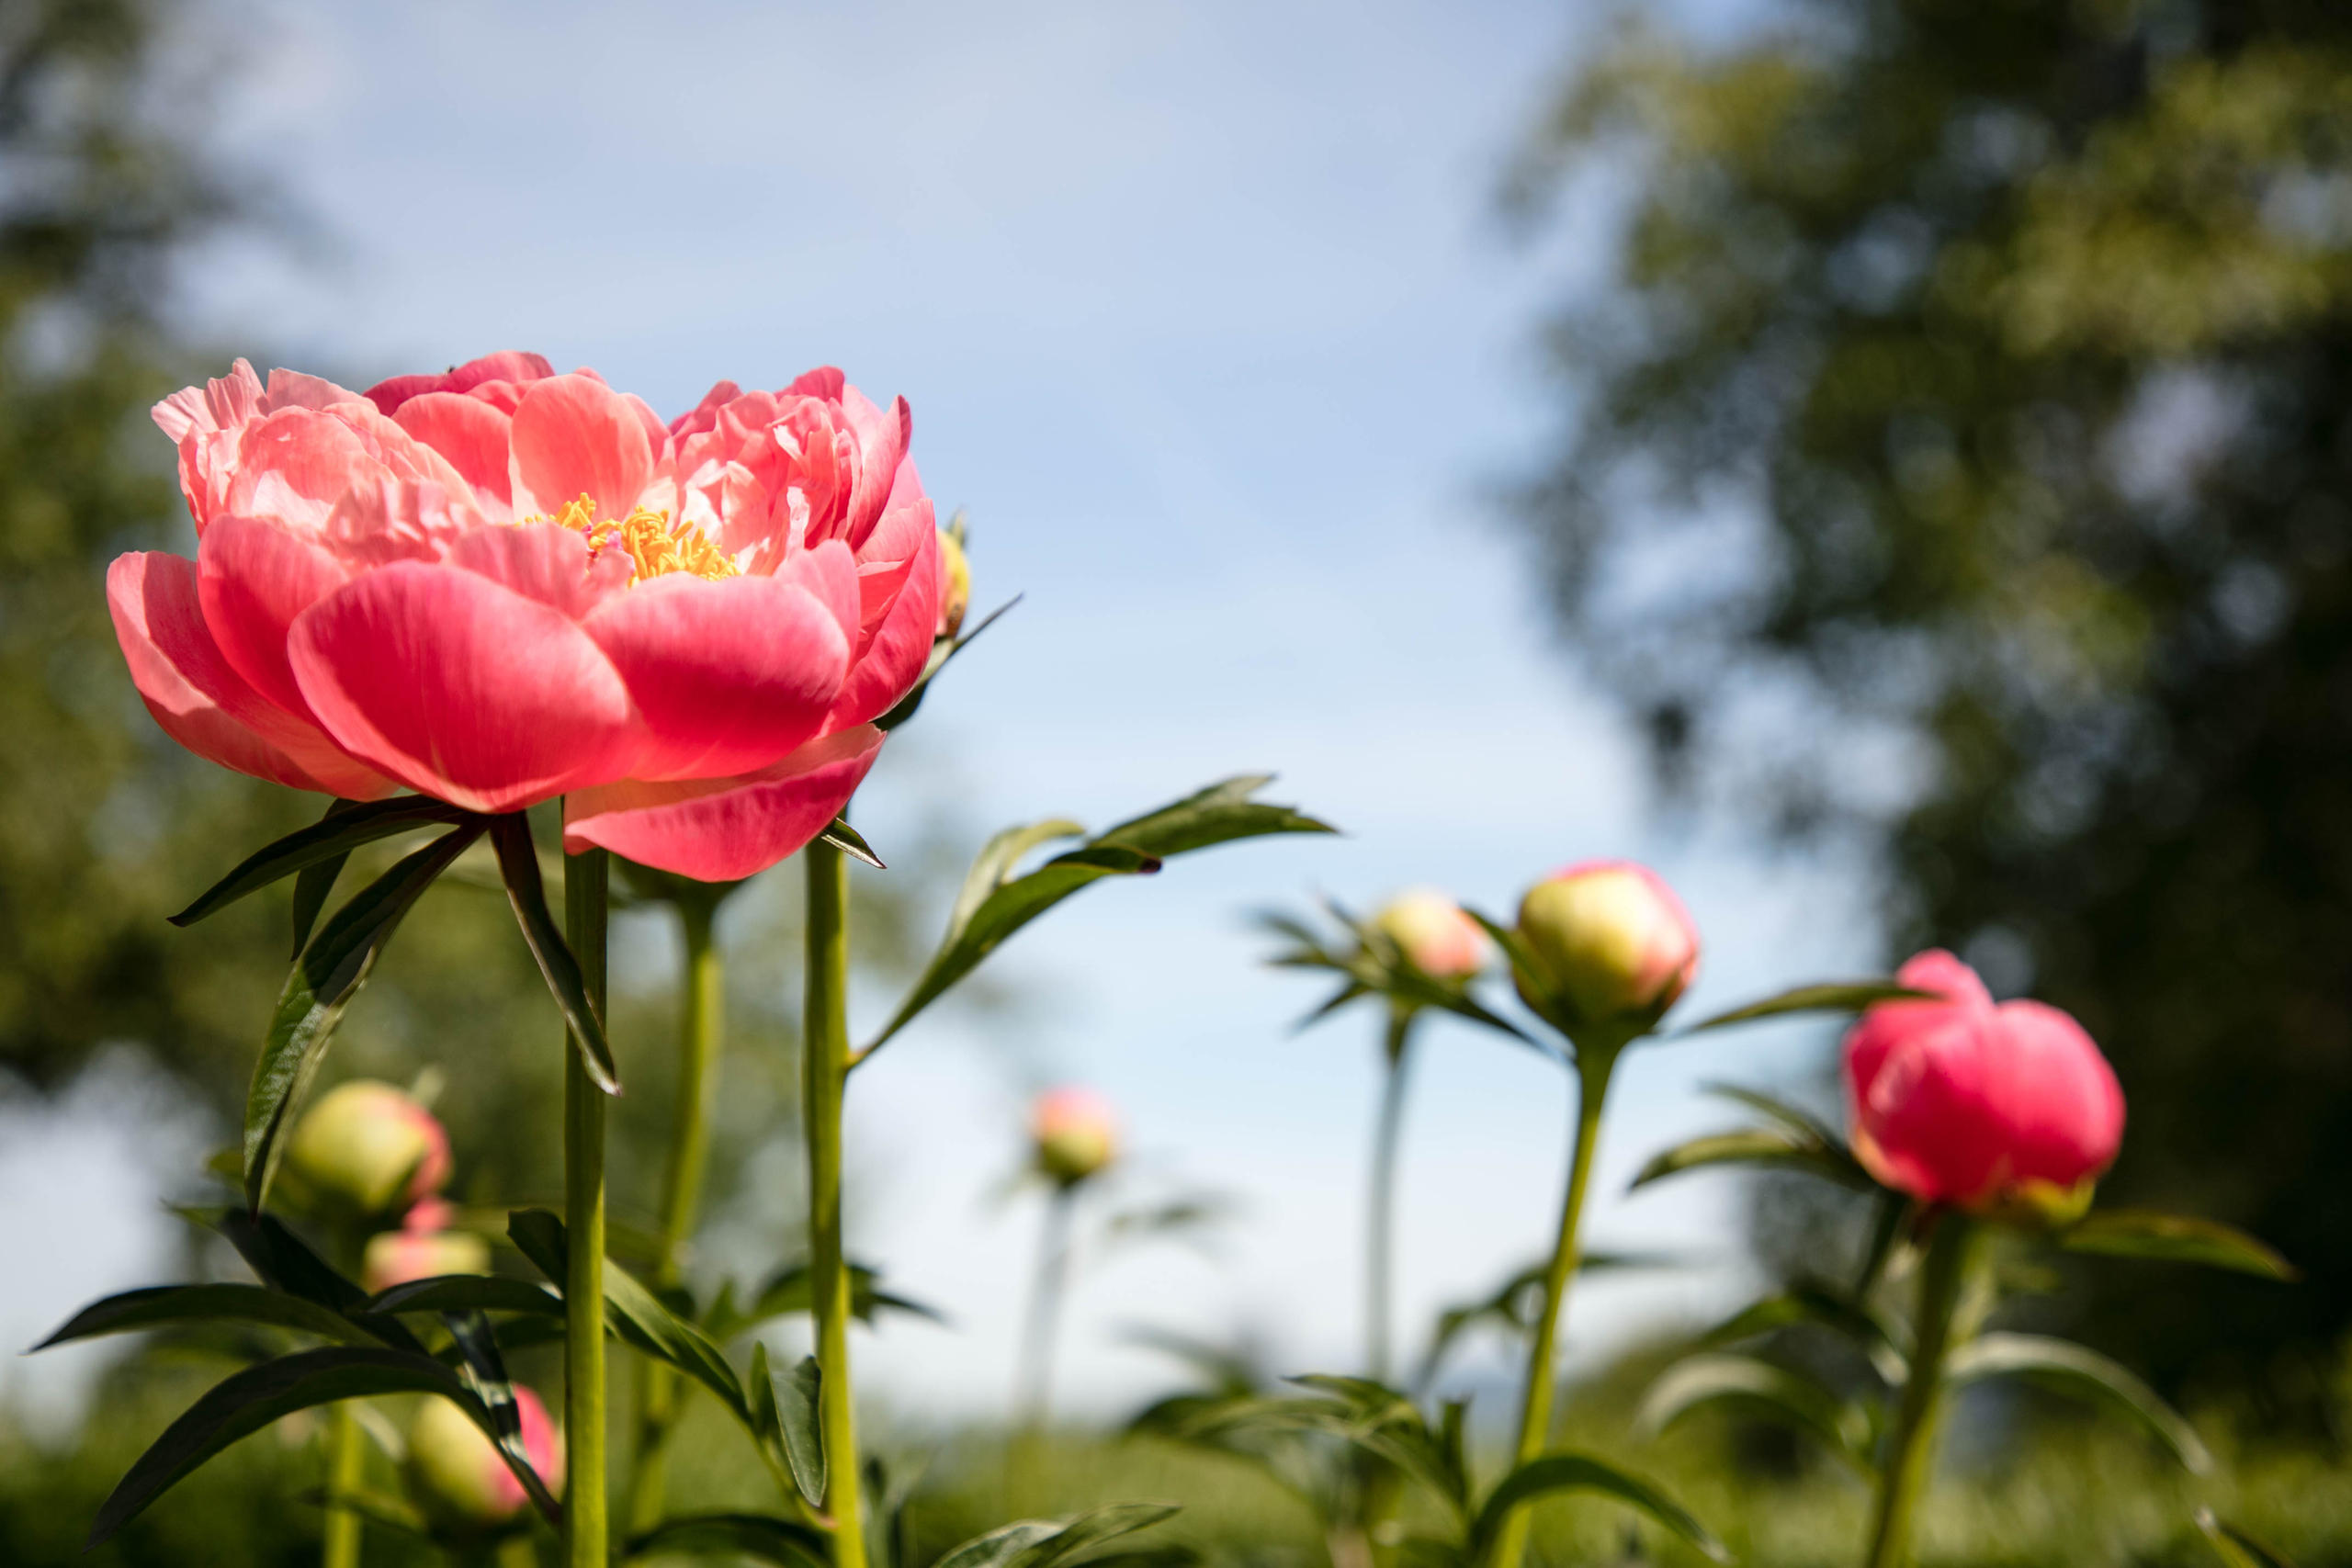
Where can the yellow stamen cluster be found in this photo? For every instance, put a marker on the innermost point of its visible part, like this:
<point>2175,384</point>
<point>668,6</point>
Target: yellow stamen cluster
<point>655,547</point>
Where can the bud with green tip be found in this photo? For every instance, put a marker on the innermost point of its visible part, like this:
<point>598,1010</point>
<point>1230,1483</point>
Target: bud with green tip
<point>1434,934</point>
<point>456,1474</point>
<point>1611,945</point>
<point>366,1148</point>
<point>1076,1134</point>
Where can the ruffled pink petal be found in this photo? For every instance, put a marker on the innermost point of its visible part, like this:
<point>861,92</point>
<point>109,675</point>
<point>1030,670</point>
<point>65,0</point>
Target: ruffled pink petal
<point>463,688</point>
<point>725,830</point>
<point>472,433</point>
<point>898,647</point>
<point>826,381</point>
<point>830,572</point>
<point>199,697</point>
<point>883,436</point>
<point>253,578</point>
<point>1883,1027</point>
<point>728,676</point>
<point>705,415</point>
<point>545,561</point>
<point>507,366</point>
<point>574,435</point>
<point>382,519</point>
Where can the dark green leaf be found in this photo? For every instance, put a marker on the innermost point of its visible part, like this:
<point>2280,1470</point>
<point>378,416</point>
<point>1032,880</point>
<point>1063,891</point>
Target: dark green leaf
<point>285,1263</point>
<point>995,864</point>
<point>1809,1304</point>
<point>470,1292</point>
<point>633,1311</point>
<point>2173,1239</point>
<point>804,1439</point>
<point>484,1371</point>
<point>2235,1547</point>
<point>251,1399</point>
<point>1836,996</point>
<point>1795,1118</point>
<point>787,1292</point>
<point>759,1536</point>
<point>314,884</point>
<point>1770,1148</point>
<point>332,836</point>
<point>1548,1473</point>
<point>325,978</point>
<point>1040,1543</point>
<point>165,1304</point>
<point>518,864</point>
<point>1787,1396</point>
<point>1217,815</point>
<point>2075,1369</point>
<point>851,843</point>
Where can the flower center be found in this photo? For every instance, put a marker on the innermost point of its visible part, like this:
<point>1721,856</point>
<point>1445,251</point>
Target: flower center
<point>655,548</point>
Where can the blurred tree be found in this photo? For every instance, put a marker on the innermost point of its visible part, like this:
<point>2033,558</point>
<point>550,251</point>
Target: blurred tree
<point>1964,454</point>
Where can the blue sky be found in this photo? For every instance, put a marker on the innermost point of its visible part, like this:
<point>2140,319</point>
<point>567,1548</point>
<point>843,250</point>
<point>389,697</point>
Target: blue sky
<point>1204,313</point>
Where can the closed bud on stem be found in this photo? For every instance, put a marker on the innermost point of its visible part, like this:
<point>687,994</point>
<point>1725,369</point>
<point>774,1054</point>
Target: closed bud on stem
<point>1434,934</point>
<point>1612,945</point>
<point>456,1474</point>
<point>1075,1131</point>
<point>366,1149</point>
<point>954,580</point>
<point>2006,1110</point>
<point>423,1248</point>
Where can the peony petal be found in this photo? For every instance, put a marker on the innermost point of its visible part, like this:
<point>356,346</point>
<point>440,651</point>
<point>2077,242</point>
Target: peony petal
<point>727,676</point>
<point>1884,1026</point>
<point>882,438</point>
<point>472,433</point>
<point>2062,1103</point>
<point>830,572</point>
<point>572,437</point>
<point>507,366</point>
<point>899,646</point>
<point>199,697</point>
<point>254,577</point>
<point>725,830</point>
<point>545,561</point>
<point>463,688</point>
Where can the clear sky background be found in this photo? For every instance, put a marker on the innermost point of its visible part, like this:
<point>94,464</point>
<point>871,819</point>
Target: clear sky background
<point>1206,314</point>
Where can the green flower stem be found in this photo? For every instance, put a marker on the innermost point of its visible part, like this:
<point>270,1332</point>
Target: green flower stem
<point>346,1458</point>
<point>1380,1271</point>
<point>825,1052</point>
<point>1046,1306</point>
<point>1943,1277</point>
<point>661,1391</point>
<point>1535,1414</point>
<point>586,1527</point>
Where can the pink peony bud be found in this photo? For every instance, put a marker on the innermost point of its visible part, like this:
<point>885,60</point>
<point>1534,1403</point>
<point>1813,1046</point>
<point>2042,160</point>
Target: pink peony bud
<point>423,1248</point>
<point>1610,938</point>
<point>1076,1132</point>
<point>456,1472</point>
<point>368,1148</point>
<point>955,583</point>
<point>1434,934</point>
<point>2006,1110</point>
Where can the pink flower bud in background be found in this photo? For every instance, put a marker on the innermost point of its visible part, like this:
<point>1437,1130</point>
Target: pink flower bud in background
<point>1434,934</point>
<point>1076,1134</point>
<point>368,1148</point>
<point>2002,1110</point>
<point>1612,938</point>
<point>455,1474</point>
<point>955,583</point>
<point>423,1248</point>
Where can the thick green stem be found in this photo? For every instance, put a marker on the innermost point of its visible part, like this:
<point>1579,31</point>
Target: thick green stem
<point>1910,1454</point>
<point>661,1391</point>
<point>825,1052</point>
<point>1380,1210</point>
<point>345,1457</point>
<point>1535,1413</point>
<point>586,1527</point>
<point>1045,1308</point>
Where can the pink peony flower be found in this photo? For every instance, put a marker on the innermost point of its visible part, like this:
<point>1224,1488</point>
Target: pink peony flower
<point>1992,1108</point>
<point>456,1472</point>
<point>1611,937</point>
<point>1434,934</point>
<point>1076,1132</point>
<point>500,585</point>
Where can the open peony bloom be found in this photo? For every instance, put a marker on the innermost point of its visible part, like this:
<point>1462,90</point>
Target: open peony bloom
<point>1612,938</point>
<point>1076,1132</point>
<point>1434,934</point>
<point>2000,1108</point>
<point>499,585</point>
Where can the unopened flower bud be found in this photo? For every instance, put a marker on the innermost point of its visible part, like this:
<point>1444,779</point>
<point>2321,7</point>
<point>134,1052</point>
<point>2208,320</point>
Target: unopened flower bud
<point>1434,934</point>
<point>1610,939</point>
<point>955,583</point>
<point>368,1148</point>
<point>1076,1134</point>
<point>423,1248</point>
<point>455,1474</point>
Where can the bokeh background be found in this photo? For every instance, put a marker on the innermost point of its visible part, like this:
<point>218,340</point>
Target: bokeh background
<point>1884,463</point>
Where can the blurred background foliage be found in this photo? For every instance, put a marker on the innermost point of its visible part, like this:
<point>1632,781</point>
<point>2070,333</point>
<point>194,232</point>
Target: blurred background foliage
<point>1980,371</point>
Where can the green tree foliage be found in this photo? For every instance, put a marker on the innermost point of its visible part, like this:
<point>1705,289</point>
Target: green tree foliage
<point>1976,381</point>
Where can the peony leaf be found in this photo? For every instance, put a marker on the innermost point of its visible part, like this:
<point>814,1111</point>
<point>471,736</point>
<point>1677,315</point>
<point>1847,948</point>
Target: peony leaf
<point>1040,1543</point>
<point>2077,1369</point>
<point>1836,996</point>
<point>761,1536</point>
<point>330,838</point>
<point>468,1292</point>
<point>314,884</point>
<point>1548,1473</point>
<point>851,843</point>
<point>328,974</point>
<point>518,865</point>
<point>1807,1304</point>
<point>2175,1238</point>
<point>1773,1147</point>
<point>1787,1396</point>
<point>161,1305</point>
<point>801,1432</point>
